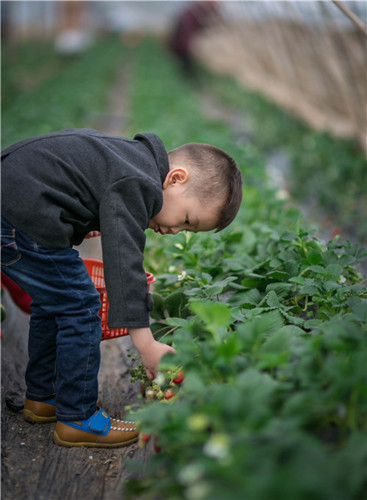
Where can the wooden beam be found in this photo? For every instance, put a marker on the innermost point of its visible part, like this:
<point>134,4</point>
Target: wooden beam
<point>355,19</point>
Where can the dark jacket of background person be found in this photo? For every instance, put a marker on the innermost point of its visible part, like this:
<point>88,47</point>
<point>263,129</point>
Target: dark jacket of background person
<point>190,22</point>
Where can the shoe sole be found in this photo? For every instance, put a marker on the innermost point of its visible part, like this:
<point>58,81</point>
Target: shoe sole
<point>31,417</point>
<point>69,444</point>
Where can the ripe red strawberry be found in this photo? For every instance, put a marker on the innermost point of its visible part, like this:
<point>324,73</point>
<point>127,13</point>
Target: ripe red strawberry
<point>156,447</point>
<point>179,378</point>
<point>145,437</point>
<point>143,440</point>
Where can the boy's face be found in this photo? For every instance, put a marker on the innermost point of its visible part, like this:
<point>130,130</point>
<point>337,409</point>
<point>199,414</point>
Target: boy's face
<point>182,210</point>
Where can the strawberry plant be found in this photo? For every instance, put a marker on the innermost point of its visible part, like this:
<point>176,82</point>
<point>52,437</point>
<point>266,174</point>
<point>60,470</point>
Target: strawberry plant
<point>269,325</point>
<point>266,397</point>
<point>327,174</point>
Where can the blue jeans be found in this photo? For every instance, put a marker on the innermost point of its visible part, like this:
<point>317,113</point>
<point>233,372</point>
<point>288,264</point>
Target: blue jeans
<point>65,327</point>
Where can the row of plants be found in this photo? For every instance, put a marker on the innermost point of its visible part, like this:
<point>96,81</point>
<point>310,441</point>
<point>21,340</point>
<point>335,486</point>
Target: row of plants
<point>267,395</point>
<point>326,174</point>
<point>269,325</point>
<point>43,91</point>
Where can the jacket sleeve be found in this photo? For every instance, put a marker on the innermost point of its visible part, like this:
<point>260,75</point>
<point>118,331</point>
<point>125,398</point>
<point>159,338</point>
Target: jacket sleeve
<point>125,211</point>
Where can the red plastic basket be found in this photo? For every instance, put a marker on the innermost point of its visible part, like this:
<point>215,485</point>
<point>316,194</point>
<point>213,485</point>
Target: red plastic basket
<point>95,270</point>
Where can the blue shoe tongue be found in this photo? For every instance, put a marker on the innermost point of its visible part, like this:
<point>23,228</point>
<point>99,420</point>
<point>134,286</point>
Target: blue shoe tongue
<point>99,422</point>
<point>50,402</point>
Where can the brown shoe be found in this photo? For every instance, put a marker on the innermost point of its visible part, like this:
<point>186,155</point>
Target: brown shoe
<point>39,412</point>
<point>99,430</point>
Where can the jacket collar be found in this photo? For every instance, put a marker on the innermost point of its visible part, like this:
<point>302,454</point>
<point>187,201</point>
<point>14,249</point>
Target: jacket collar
<point>155,144</point>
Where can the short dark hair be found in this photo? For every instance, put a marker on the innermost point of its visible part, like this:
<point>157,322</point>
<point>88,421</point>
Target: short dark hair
<point>215,174</point>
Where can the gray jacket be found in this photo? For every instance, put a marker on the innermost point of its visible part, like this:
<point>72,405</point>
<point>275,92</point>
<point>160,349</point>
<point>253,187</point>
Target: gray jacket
<point>58,187</point>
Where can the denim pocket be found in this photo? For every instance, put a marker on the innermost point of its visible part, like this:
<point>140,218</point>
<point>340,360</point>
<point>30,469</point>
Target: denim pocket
<point>9,250</point>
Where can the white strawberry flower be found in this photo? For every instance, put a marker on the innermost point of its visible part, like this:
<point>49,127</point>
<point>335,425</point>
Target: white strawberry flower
<point>217,446</point>
<point>181,276</point>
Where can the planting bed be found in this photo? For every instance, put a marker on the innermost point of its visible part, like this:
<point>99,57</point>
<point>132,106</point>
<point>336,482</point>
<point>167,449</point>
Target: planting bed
<point>270,328</point>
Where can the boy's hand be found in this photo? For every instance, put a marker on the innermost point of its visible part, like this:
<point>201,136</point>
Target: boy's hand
<point>151,351</point>
<point>92,234</point>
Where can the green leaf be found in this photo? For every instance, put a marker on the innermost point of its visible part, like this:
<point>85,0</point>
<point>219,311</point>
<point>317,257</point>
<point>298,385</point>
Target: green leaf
<point>218,287</point>
<point>229,348</point>
<point>158,311</point>
<point>362,253</point>
<point>310,286</point>
<point>292,330</point>
<point>288,237</point>
<point>159,329</point>
<point>214,314</point>
<point>298,280</point>
<point>318,269</point>
<point>295,320</point>
<point>312,323</point>
<point>275,262</point>
<point>334,270</point>
<point>359,308</point>
<point>175,302</point>
<point>177,322</point>
<point>251,283</point>
<point>266,324</point>
<point>330,285</point>
<point>249,240</point>
<point>272,299</point>
<point>278,342</point>
<point>309,289</point>
<point>314,257</point>
<point>270,360</point>
<point>246,298</point>
<point>278,275</point>
<point>232,265</point>
<point>281,289</point>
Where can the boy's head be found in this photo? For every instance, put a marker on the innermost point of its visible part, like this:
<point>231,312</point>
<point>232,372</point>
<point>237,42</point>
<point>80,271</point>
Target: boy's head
<point>202,191</point>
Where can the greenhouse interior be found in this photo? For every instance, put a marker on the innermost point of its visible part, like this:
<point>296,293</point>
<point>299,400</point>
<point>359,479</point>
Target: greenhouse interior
<point>260,390</point>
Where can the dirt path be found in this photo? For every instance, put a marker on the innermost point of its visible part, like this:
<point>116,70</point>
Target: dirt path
<point>33,467</point>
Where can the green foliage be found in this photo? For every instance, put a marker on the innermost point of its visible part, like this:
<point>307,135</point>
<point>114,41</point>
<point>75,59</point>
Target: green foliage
<point>269,325</point>
<point>326,173</point>
<point>44,92</point>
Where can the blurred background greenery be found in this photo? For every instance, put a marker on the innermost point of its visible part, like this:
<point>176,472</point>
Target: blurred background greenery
<point>287,78</point>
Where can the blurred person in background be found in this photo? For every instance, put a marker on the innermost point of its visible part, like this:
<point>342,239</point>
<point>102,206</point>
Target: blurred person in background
<point>189,24</point>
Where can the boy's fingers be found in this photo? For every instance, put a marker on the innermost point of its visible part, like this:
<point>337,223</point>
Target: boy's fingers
<point>92,234</point>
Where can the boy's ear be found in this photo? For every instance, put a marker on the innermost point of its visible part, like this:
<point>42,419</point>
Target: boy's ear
<point>177,175</point>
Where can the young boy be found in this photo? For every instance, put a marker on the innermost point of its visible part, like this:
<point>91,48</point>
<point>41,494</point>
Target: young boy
<point>58,188</point>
